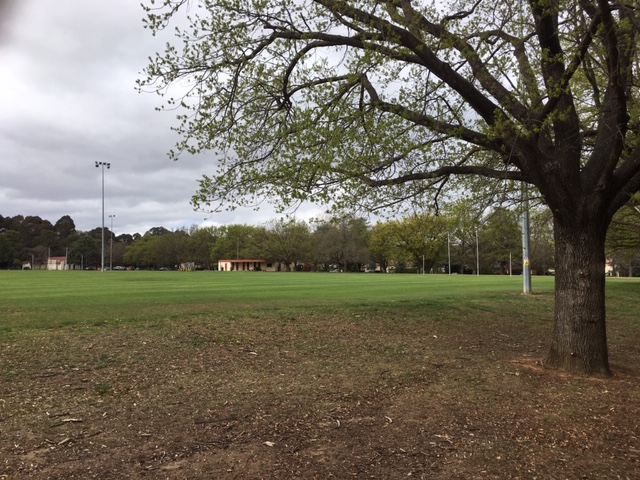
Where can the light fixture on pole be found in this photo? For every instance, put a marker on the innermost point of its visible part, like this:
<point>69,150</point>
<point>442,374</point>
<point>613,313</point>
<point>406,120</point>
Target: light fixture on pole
<point>102,165</point>
<point>111,243</point>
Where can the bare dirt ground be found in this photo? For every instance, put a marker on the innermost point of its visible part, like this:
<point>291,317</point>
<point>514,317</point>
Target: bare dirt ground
<point>284,395</point>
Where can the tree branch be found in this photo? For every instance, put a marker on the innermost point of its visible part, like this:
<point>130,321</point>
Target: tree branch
<point>557,93</point>
<point>479,102</point>
<point>427,120</point>
<point>439,174</point>
<point>614,119</point>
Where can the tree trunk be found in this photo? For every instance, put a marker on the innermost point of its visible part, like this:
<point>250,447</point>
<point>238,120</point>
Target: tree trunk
<point>580,339</point>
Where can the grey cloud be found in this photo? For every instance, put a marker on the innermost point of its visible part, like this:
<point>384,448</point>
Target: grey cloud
<point>68,100</point>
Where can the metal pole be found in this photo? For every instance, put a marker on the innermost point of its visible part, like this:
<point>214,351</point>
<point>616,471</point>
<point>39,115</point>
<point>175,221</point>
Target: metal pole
<point>111,243</point>
<point>477,255</point>
<point>526,268</point>
<point>102,261</point>
<point>102,165</point>
<point>449,251</point>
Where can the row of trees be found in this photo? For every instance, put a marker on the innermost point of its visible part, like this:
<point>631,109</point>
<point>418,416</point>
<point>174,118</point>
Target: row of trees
<point>32,239</point>
<point>289,242</point>
<point>489,244</point>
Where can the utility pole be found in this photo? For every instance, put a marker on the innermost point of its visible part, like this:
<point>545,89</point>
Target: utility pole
<point>449,251</point>
<point>477,254</point>
<point>526,266</point>
<point>102,165</point>
<point>111,243</point>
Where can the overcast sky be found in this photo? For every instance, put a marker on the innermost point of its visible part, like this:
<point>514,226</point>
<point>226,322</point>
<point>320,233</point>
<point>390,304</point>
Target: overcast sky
<point>68,100</point>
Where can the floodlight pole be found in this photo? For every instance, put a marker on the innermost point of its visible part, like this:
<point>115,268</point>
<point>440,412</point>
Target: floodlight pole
<point>101,165</point>
<point>111,243</point>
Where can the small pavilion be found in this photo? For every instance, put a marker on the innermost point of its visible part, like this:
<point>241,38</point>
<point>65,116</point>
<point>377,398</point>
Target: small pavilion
<point>242,265</point>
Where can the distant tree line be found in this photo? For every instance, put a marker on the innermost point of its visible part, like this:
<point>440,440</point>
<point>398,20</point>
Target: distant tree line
<point>459,238</point>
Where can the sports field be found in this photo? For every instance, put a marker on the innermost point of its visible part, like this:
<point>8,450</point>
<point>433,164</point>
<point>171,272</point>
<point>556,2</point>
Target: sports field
<point>229,375</point>
<point>46,299</point>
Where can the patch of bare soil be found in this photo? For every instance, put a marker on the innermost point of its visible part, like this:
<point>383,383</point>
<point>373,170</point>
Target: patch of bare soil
<point>310,396</point>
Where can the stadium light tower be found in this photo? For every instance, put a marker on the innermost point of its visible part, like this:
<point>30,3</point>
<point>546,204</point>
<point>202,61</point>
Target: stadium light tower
<point>102,165</point>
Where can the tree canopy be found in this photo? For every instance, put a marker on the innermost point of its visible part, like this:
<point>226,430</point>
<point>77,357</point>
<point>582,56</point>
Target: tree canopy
<point>378,101</point>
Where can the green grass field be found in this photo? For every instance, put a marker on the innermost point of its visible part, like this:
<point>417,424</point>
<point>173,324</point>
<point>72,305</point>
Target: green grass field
<point>234,375</point>
<point>34,300</point>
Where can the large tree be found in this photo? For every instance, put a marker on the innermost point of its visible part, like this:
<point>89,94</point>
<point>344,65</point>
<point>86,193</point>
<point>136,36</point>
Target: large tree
<point>422,238</point>
<point>287,241</point>
<point>464,217</point>
<point>383,244</point>
<point>202,240</point>
<point>341,242</point>
<point>500,240</point>
<point>378,102</point>
<point>65,229</point>
<point>85,251</point>
<point>11,248</point>
<point>236,241</point>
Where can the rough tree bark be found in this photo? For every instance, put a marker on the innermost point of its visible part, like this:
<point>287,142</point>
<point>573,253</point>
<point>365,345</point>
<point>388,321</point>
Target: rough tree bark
<point>579,342</point>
